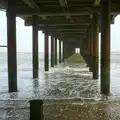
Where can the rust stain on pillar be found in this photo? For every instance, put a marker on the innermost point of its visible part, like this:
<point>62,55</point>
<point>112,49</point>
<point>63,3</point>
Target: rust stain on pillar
<point>46,52</point>
<point>95,45</point>
<point>55,51</point>
<point>105,47</point>
<point>52,51</point>
<point>35,47</point>
<point>60,50</point>
<point>11,41</point>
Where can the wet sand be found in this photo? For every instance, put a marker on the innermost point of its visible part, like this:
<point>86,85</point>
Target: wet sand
<point>68,92</point>
<point>66,110</point>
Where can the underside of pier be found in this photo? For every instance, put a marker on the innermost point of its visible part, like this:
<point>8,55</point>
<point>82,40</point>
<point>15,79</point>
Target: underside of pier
<point>75,23</point>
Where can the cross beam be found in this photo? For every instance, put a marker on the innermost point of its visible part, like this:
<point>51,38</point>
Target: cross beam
<point>30,3</point>
<point>65,27</point>
<point>49,11</point>
<point>58,22</point>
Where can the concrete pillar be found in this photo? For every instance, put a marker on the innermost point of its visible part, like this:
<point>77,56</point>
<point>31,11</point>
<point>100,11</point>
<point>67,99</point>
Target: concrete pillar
<point>60,50</point>
<point>46,52</point>
<point>11,51</point>
<point>52,51</point>
<point>95,46</point>
<point>55,51</point>
<point>91,47</point>
<point>105,46</point>
<point>36,110</point>
<point>35,47</point>
<point>89,57</point>
<point>87,49</point>
<point>63,51</point>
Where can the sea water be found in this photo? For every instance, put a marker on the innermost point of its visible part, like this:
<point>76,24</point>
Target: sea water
<point>65,89</point>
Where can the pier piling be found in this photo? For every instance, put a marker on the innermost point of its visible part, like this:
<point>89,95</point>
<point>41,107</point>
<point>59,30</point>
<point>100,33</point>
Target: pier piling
<point>90,60</point>
<point>60,50</point>
<point>63,54</point>
<point>35,47</point>
<point>11,43</point>
<point>52,51</point>
<point>95,46</point>
<point>46,52</point>
<point>36,110</point>
<point>105,46</point>
<point>55,50</point>
<point>91,51</point>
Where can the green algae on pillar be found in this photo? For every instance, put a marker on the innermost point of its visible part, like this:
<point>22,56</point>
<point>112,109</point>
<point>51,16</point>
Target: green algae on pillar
<point>52,51</point>
<point>95,45</point>
<point>11,51</point>
<point>55,51</point>
<point>35,47</point>
<point>105,46</point>
<point>46,52</point>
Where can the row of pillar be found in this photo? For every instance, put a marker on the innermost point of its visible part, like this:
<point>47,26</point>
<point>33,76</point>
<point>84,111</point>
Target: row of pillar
<point>12,56</point>
<point>53,52</point>
<point>93,47</point>
<point>92,42</point>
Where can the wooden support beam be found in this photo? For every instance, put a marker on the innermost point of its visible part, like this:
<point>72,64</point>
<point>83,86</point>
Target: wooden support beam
<point>35,47</point>
<point>52,51</point>
<point>57,11</point>
<point>46,52</point>
<point>68,35</point>
<point>81,27</point>
<point>55,50</point>
<point>60,50</point>
<point>95,46</point>
<point>91,47</point>
<point>3,46</point>
<point>63,3</point>
<point>63,54</point>
<point>51,11</point>
<point>96,2</point>
<point>105,46</point>
<point>30,3</point>
<point>36,110</point>
<point>90,55</point>
<point>11,51</point>
<point>64,6</point>
<point>60,22</point>
<point>66,30</point>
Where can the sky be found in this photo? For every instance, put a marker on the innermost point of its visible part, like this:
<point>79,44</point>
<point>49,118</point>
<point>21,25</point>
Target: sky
<point>24,35</point>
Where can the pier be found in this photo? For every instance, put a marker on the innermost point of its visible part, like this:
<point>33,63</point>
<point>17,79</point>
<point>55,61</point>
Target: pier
<point>75,23</point>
